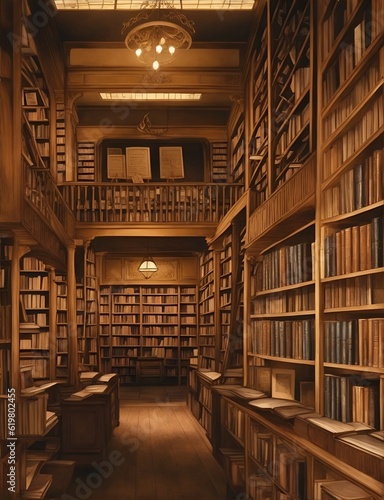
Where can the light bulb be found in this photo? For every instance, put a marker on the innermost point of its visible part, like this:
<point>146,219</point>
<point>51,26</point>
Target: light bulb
<point>138,52</point>
<point>159,49</point>
<point>155,65</point>
<point>172,49</point>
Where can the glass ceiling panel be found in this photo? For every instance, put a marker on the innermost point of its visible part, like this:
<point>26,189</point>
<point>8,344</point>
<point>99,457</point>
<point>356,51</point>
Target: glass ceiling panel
<point>136,4</point>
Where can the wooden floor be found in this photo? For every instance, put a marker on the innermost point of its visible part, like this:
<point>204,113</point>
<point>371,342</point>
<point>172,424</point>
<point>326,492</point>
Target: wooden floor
<point>164,453</point>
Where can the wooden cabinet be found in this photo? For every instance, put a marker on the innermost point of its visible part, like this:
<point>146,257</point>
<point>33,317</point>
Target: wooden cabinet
<point>88,422</point>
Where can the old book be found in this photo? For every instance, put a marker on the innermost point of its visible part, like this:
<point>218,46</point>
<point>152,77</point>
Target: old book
<point>377,242</point>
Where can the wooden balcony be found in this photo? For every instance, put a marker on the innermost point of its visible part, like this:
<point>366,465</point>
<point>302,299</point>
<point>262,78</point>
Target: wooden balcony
<point>167,203</point>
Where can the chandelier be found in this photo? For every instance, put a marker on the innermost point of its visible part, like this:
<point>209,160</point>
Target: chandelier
<point>157,32</point>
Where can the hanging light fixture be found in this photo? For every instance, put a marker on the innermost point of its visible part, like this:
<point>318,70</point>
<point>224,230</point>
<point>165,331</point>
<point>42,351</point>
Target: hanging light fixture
<point>157,32</point>
<point>148,266</point>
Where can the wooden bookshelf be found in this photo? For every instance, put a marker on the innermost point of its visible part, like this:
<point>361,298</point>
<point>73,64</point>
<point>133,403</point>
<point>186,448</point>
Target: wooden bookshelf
<point>219,161</point>
<point>350,208</point>
<point>148,322</point>
<point>35,348</point>
<point>236,144</point>
<point>86,162</point>
<point>61,366</point>
<point>207,316</point>
<point>280,94</point>
<point>263,458</point>
<point>87,309</point>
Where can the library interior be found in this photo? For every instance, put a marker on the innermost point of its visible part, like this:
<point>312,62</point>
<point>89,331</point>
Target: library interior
<point>191,250</point>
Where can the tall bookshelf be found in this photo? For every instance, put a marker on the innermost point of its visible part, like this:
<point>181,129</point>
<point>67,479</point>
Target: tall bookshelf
<point>207,315</point>
<point>292,67</point>
<point>87,308</point>
<point>35,348</point>
<point>219,161</point>
<point>144,322</point>
<point>350,211</point>
<point>237,144</point>
<point>35,107</point>
<point>282,311</point>
<point>258,116</point>
<point>61,351</point>
<point>86,161</point>
<point>280,93</point>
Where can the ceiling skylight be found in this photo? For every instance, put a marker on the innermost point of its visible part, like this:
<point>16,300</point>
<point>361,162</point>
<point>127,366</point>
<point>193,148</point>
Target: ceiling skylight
<point>149,96</point>
<point>137,4</point>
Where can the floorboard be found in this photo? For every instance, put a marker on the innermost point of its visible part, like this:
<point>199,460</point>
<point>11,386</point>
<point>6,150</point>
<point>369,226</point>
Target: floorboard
<point>164,453</point>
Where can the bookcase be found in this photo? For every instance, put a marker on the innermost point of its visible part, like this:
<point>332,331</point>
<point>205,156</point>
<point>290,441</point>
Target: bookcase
<point>86,162</point>
<point>350,209</point>
<point>35,106</point>
<point>207,314</point>
<point>264,459</point>
<point>282,311</point>
<point>35,345</point>
<point>280,93</point>
<point>87,308</point>
<point>258,118</point>
<point>237,144</point>
<point>219,161</point>
<point>148,323</point>
<point>61,365</point>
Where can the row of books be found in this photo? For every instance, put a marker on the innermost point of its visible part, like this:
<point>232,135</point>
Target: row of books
<point>355,342</point>
<point>28,282</point>
<point>234,420</point>
<point>355,248</point>
<point>360,186</point>
<point>287,339</point>
<point>352,139</point>
<point>335,21</point>
<point>300,299</point>
<point>354,292</point>
<point>346,402</point>
<point>35,301</point>
<point>345,106</point>
<point>287,266</point>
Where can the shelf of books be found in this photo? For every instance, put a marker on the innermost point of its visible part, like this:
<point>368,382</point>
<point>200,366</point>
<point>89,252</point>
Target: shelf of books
<point>207,317</point>
<point>351,204</point>
<point>292,88</point>
<point>219,161</point>
<point>105,310</point>
<point>148,322</point>
<point>61,367</point>
<point>264,454</point>
<point>35,326</point>
<point>36,108</point>
<point>86,161</point>
<point>282,310</point>
<point>225,294</point>
<point>237,145</point>
<point>258,115</point>
<point>88,318</point>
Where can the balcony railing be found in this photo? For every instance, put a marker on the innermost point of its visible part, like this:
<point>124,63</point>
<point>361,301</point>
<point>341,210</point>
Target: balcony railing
<point>44,195</point>
<point>161,202</point>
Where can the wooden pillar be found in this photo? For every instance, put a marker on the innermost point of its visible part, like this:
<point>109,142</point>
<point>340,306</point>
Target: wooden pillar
<point>73,371</point>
